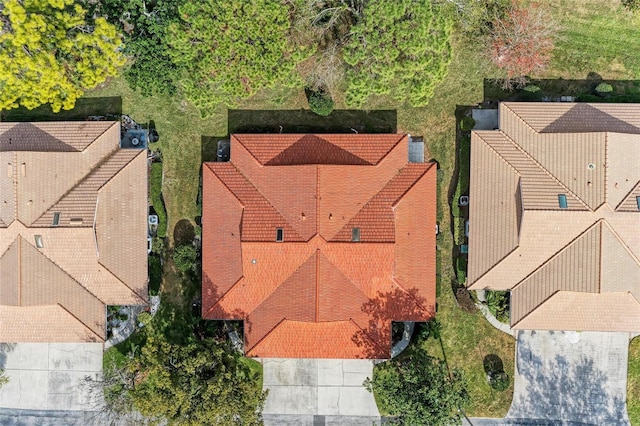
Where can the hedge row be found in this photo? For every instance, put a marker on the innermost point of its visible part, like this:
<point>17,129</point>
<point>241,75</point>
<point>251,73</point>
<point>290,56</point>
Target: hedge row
<point>156,198</point>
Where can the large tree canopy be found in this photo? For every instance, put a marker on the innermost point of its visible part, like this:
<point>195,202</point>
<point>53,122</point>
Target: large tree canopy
<point>51,52</point>
<point>228,50</point>
<point>398,47</point>
<point>417,390</point>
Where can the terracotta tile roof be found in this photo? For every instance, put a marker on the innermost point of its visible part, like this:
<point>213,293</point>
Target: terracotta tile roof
<point>317,293</point>
<point>95,255</point>
<point>522,240</point>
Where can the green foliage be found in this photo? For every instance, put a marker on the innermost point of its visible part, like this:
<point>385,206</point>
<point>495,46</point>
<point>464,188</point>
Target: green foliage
<point>3,378</point>
<point>51,51</point>
<point>227,50</point>
<point>499,381</point>
<point>185,258</point>
<point>462,185</point>
<point>532,88</point>
<point>398,47</point>
<point>458,231</point>
<point>498,304</point>
<point>156,198</point>
<point>461,269</point>
<point>144,27</point>
<point>604,88</point>
<point>633,382</point>
<point>417,389</point>
<point>157,246</point>
<point>621,99</point>
<point>320,103</point>
<point>467,123</point>
<point>155,275</point>
<point>474,17</point>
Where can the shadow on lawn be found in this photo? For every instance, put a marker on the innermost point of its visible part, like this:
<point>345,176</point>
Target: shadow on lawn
<point>305,121</point>
<point>84,108</point>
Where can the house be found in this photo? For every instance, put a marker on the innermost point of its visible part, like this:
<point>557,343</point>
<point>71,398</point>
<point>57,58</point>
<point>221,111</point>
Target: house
<point>555,214</point>
<point>73,229</point>
<point>319,242</point>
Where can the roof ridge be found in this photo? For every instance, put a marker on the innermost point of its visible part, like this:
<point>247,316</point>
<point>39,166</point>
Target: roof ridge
<point>515,114</point>
<point>121,282</point>
<point>366,336</point>
<point>81,322</point>
<point>414,183</point>
<point>104,160</point>
<point>539,304</point>
<point>394,146</point>
<point>504,160</point>
<point>620,240</point>
<point>278,324</point>
<point>223,296</point>
<point>58,266</point>
<point>235,136</point>
<point>395,280</point>
<point>558,252</point>
<point>547,172</point>
<point>344,275</point>
<point>628,196</point>
<point>114,123</point>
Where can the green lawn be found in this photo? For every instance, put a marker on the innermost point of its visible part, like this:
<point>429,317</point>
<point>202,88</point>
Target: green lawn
<point>633,383</point>
<point>596,35</point>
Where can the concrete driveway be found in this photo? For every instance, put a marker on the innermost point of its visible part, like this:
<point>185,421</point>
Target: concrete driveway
<point>50,376</point>
<point>571,377</point>
<point>318,392</point>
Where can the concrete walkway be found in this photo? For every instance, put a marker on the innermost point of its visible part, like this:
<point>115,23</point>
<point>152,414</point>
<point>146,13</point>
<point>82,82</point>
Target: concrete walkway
<point>568,378</point>
<point>318,392</point>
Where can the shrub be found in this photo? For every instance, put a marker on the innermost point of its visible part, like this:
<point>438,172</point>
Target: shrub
<point>461,269</point>
<point>531,88</point>
<point>467,123</point>
<point>603,89</point>
<point>458,230</point>
<point>155,275</point>
<point>156,198</point>
<point>320,102</point>
<point>498,381</point>
<point>498,304</point>
<point>157,246</point>
<point>185,258</point>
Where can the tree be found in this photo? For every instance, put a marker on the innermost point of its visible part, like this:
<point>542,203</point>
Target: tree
<point>227,50</point>
<point>398,47</point>
<point>417,389</point>
<point>521,42</point>
<point>51,52</point>
<point>176,375</point>
<point>185,258</point>
<point>144,26</point>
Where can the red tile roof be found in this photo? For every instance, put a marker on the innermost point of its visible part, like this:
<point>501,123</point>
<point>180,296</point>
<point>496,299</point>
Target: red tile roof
<point>317,294</point>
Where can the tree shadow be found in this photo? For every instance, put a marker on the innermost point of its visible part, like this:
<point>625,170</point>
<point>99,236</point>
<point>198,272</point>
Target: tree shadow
<point>209,147</point>
<point>306,121</point>
<point>83,109</point>
<point>5,348</point>
<point>583,90</point>
<point>374,336</point>
<point>183,233</point>
<point>562,390</point>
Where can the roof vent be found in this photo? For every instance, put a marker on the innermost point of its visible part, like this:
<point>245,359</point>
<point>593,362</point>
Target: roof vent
<point>39,242</point>
<point>279,235</point>
<point>591,166</point>
<point>56,219</point>
<point>355,234</point>
<point>75,221</point>
<point>638,202</point>
<point>135,141</point>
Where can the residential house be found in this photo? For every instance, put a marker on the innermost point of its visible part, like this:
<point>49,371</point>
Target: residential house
<point>319,242</point>
<point>73,229</point>
<point>555,214</point>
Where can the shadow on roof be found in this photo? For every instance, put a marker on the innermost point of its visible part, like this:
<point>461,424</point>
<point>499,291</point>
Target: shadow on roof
<point>305,121</point>
<point>84,108</point>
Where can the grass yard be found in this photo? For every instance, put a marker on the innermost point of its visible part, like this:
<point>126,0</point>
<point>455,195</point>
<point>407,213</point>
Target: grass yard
<point>633,383</point>
<point>595,35</point>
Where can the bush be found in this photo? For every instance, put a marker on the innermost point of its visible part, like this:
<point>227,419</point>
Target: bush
<point>458,230</point>
<point>467,123</point>
<point>155,275</point>
<point>156,198</point>
<point>320,102</point>
<point>532,88</point>
<point>632,5</point>
<point>498,381</point>
<point>604,89</point>
<point>185,258</point>
<point>461,269</point>
<point>498,304</point>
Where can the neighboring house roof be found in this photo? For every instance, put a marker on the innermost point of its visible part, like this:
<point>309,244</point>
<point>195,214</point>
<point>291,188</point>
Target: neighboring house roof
<point>555,214</point>
<point>68,188</point>
<point>318,294</point>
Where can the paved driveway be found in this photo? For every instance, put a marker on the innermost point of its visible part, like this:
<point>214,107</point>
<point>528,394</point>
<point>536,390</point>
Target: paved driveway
<point>571,377</point>
<point>50,376</point>
<point>318,392</point>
